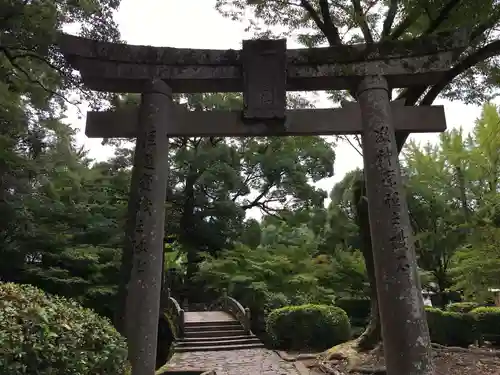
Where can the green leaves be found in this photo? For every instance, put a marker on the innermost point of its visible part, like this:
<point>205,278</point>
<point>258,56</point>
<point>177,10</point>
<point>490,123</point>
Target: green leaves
<point>453,194</point>
<point>315,23</point>
<point>42,334</point>
<point>283,264</point>
<point>308,327</point>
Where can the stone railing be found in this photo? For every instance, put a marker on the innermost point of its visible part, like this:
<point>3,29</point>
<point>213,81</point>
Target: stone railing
<point>175,312</point>
<point>231,306</point>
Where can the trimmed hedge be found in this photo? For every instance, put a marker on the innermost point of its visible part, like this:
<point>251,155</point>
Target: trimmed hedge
<point>309,326</point>
<point>462,307</point>
<point>358,309</point>
<point>451,328</point>
<point>49,335</point>
<point>488,322</point>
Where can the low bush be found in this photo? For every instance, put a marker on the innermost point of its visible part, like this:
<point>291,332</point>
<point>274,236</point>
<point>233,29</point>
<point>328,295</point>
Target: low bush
<point>488,322</point>
<point>462,307</point>
<point>451,328</point>
<point>357,309</point>
<point>315,327</point>
<point>49,335</point>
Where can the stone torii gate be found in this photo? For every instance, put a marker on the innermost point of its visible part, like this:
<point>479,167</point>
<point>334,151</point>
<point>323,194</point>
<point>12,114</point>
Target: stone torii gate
<point>264,70</point>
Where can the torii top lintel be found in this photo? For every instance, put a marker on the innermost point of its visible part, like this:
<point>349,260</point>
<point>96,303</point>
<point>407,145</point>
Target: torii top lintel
<point>117,67</point>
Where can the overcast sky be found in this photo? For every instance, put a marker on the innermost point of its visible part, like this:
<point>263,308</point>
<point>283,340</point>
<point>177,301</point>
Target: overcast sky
<point>196,24</point>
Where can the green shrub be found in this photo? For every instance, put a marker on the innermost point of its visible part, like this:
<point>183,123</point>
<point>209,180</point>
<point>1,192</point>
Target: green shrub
<point>275,301</point>
<point>358,309</point>
<point>462,307</point>
<point>49,335</point>
<point>451,328</point>
<point>308,327</point>
<point>488,322</point>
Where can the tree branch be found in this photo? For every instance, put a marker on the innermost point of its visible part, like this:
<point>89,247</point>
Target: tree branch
<point>490,50</point>
<point>362,21</point>
<point>389,19</point>
<point>327,27</point>
<point>332,32</point>
<point>412,95</point>
<point>346,138</point>
<point>256,202</point>
<point>488,24</point>
<point>442,17</point>
<point>12,60</point>
<point>406,23</point>
<point>416,13</point>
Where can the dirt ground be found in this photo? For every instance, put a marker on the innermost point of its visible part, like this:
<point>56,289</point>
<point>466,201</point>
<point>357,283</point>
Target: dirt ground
<point>447,361</point>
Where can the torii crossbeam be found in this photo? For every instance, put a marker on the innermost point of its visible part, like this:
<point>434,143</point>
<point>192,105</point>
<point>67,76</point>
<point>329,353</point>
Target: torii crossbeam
<point>124,123</point>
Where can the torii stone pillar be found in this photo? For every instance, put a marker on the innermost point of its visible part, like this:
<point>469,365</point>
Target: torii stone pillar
<point>144,289</point>
<point>404,327</point>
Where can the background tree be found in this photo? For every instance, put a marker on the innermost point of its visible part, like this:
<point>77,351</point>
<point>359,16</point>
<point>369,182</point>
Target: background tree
<point>42,207</point>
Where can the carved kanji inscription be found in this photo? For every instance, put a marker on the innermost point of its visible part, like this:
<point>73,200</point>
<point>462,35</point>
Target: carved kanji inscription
<point>264,80</point>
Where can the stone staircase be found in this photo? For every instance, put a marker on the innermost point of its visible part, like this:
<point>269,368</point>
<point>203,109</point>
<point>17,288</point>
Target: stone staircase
<point>209,334</point>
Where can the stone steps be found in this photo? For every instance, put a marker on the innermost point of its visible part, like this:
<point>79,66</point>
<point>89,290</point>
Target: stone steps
<point>215,336</point>
<point>217,348</point>
<point>219,333</point>
<point>213,327</point>
<point>219,341</point>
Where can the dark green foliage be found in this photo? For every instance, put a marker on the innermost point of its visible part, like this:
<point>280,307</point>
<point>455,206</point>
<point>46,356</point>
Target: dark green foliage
<point>451,328</point>
<point>56,224</point>
<point>488,322</point>
<point>308,327</point>
<point>358,309</point>
<point>167,334</point>
<point>171,325</point>
<point>462,307</point>
<point>49,335</point>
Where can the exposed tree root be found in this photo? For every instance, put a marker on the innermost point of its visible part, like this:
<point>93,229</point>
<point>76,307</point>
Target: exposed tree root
<point>299,357</point>
<point>454,349</point>
<point>349,353</point>
<point>348,358</point>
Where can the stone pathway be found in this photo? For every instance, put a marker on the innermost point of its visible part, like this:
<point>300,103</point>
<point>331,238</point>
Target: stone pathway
<point>234,362</point>
<point>207,316</point>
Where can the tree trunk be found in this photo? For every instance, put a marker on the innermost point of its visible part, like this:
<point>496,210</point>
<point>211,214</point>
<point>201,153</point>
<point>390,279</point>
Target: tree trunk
<point>372,334</point>
<point>463,194</point>
<point>188,238</point>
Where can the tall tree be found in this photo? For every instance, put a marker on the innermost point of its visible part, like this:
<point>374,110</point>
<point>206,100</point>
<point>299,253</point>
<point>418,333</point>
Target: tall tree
<point>435,193</point>
<point>215,180</point>
<point>40,169</point>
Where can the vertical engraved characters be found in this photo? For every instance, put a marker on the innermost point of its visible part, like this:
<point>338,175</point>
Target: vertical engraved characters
<point>393,251</point>
<point>143,299</point>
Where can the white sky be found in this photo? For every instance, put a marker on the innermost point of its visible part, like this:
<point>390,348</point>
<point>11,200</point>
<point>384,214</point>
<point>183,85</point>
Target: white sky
<point>196,24</point>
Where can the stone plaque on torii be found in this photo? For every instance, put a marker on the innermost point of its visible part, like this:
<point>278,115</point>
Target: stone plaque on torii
<point>264,70</point>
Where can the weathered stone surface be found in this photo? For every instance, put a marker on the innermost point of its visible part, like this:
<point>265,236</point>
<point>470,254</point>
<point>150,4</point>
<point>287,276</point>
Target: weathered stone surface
<point>264,80</point>
<point>404,327</point>
<point>127,77</point>
<point>87,48</point>
<point>235,362</point>
<point>123,123</point>
<point>143,299</point>
<point>125,68</point>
